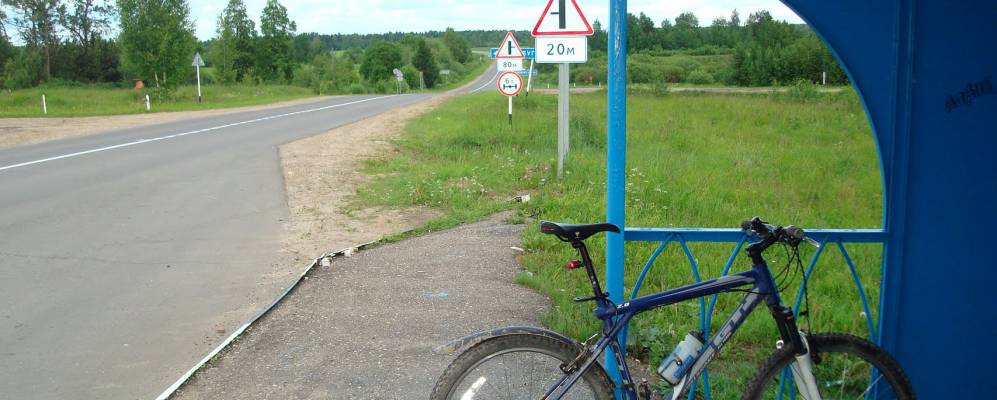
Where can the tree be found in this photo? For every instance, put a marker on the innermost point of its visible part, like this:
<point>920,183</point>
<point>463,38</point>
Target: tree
<point>37,22</point>
<point>157,39</point>
<point>424,62</point>
<point>222,52</point>
<point>86,21</point>
<point>236,40</point>
<point>687,31</point>
<point>275,54</point>
<point>458,46</point>
<point>379,60</point>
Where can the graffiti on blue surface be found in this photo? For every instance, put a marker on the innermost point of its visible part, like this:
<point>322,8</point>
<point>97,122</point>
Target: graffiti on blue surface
<point>966,97</point>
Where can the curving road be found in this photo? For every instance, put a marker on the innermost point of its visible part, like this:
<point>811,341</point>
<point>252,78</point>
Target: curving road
<point>126,256</point>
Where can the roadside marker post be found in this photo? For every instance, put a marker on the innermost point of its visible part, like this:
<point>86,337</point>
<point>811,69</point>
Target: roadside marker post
<point>148,107</point>
<point>197,64</point>
<point>44,105</point>
<point>562,40</point>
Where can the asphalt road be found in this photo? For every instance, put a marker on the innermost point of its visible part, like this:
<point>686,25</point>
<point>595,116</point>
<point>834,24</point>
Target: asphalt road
<point>125,257</point>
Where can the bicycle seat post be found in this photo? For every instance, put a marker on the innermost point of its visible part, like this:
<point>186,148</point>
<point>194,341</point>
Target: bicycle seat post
<point>579,245</point>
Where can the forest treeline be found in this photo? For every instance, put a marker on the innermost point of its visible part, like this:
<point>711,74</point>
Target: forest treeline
<point>116,43</point>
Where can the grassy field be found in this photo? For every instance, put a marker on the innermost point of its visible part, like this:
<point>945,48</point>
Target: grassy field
<point>695,160</point>
<point>78,101</point>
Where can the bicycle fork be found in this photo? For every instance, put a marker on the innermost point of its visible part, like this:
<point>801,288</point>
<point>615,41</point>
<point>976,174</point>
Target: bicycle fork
<point>802,368</point>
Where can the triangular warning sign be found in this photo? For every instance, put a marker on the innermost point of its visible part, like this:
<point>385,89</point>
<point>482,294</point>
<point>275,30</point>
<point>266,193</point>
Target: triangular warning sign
<point>509,48</point>
<point>562,19</point>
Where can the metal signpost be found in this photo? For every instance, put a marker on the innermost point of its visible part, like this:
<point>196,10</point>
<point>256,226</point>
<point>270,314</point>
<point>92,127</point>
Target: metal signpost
<point>562,40</point>
<point>198,63</point>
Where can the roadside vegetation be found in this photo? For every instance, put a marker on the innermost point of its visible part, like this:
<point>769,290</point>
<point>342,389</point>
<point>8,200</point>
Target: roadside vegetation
<point>92,48</point>
<point>694,160</point>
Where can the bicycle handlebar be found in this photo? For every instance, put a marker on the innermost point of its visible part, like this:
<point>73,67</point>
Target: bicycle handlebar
<point>770,234</point>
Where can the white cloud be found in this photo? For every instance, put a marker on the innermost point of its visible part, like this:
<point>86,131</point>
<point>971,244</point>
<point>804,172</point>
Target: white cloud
<point>379,16</point>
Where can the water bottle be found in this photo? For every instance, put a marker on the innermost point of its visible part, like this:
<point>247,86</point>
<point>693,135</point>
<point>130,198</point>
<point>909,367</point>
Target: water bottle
<point>675,365</point>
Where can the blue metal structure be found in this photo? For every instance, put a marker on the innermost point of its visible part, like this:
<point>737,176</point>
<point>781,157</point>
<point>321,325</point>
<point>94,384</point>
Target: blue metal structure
<point>925,71</point>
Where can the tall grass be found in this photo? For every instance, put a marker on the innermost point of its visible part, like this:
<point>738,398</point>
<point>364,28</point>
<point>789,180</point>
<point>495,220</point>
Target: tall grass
<point>693,160</point>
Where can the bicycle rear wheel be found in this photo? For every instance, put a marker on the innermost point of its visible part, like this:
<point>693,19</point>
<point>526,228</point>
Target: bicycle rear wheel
<point>845,367</point>
<point>519,366</point>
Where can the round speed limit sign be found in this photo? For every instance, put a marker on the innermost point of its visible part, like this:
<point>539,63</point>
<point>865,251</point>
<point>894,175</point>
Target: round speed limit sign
<point>510,83</point>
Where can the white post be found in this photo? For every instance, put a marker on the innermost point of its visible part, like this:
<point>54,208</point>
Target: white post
<point>147,106</point>
<point>562,117</point>
<point>510,110</point>
<point>198,67</point>
<point>44,105</point>
<point>529,79</point>
<point>823,78</point>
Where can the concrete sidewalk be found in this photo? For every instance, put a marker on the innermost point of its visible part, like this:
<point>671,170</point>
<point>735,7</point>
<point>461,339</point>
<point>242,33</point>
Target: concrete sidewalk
<point>366,326</point>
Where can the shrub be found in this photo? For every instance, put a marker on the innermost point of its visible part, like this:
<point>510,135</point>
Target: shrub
<point>700,77</point>
<point>802,90</point>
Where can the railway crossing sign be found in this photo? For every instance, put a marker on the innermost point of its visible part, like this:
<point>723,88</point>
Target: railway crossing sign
<point>562,20</point>
<point>510,83</point>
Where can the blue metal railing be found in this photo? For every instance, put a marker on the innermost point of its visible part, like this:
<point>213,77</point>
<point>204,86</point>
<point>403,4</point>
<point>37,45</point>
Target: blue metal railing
<point>683,236</point>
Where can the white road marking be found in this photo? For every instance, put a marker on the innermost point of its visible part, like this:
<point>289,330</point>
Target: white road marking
<point>176,135</point>
<point>486,84</point>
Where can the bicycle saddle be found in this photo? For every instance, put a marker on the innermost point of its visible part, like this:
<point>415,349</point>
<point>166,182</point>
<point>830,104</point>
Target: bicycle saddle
<point>569,232</point>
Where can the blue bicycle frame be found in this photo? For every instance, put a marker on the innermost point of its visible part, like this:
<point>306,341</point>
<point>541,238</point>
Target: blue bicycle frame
<point>616,317</point>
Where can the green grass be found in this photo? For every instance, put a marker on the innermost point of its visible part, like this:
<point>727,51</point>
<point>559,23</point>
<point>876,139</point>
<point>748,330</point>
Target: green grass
<point>77,101</point>
<point>696,160</point>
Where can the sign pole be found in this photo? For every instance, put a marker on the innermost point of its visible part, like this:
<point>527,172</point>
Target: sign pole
<point>510,110</point>
<point>562,117</point>
<point>616,160</point>
<point>198,83</point>
<point>529,79</point>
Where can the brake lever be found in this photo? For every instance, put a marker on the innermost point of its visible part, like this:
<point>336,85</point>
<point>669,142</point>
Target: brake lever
<point>812,242</point>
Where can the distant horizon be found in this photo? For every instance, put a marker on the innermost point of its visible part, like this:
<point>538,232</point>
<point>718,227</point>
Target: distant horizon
<point>417,16</point>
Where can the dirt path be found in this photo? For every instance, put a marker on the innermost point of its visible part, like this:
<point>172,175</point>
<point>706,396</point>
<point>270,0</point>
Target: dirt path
<point>320,174</point>
<point>18,131</point>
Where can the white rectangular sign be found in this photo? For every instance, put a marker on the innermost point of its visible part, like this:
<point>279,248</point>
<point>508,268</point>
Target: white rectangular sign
<point>562,49</point>
<point>509,64</point>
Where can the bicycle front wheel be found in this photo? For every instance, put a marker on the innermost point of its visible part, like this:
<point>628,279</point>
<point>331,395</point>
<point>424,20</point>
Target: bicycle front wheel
<point>520,366</point>
<point>844,366</point>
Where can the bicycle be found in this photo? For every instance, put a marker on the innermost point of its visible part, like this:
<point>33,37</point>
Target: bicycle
<point>538,363</point>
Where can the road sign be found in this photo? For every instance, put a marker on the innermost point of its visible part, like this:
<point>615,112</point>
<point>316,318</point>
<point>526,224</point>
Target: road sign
<point>529,53</point>
<point>510,83</point>
<point>198,62</point>
<point>509,48</point>
<point>562,49</point>
<point>562,20</point>
<point>398,74</point>
<point>510,64</point>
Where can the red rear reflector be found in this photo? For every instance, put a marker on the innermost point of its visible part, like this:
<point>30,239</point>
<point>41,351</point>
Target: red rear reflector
<point>573,264</point>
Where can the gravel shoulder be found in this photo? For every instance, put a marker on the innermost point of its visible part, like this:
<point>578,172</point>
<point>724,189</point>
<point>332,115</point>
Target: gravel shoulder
<point>20,131</point>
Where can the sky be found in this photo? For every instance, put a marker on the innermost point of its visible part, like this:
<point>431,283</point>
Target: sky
<point>380,16</point>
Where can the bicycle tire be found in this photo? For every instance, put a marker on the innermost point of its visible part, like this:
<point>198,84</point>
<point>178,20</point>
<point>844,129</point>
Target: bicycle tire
<point>507,352</point>
<point>834,373</point>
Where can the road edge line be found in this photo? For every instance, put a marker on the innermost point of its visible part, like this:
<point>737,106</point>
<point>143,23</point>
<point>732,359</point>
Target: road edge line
<point>320,261</point>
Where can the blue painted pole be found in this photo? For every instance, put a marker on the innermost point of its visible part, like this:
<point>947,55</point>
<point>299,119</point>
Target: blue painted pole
<point>616,159</point>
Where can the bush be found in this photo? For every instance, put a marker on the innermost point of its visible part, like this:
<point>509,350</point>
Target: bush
<point>304,76</point>
<point>700,77</point>
<point>802,90</point>
<point>358,88</point>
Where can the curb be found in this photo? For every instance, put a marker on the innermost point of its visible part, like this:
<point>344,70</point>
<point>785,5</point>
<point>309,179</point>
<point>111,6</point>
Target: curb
<point>324,260</point>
